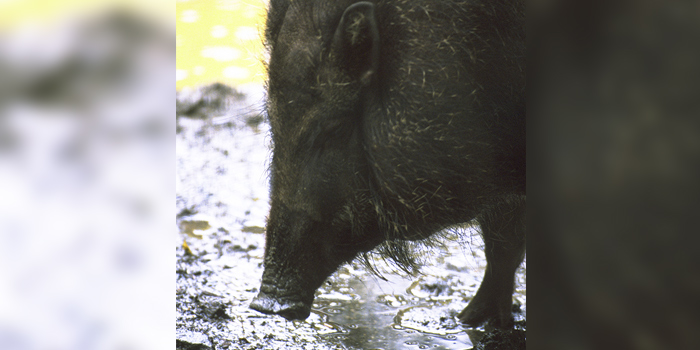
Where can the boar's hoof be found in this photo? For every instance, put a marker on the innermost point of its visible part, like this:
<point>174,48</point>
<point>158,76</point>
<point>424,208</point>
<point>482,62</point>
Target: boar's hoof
<point>477,313</point>
<point>291,310</point>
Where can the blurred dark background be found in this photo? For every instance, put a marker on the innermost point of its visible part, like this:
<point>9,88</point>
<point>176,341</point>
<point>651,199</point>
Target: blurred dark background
<point>613,169</point>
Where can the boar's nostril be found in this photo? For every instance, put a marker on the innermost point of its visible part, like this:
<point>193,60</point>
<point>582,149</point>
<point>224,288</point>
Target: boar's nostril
<point>263,303</point>
<point>290,310</point>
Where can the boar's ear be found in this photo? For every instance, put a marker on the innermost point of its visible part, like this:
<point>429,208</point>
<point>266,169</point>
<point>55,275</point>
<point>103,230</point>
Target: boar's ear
<point>355,45</point>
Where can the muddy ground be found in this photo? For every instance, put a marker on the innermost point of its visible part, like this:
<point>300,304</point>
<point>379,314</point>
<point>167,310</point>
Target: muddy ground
<point>223,147</point>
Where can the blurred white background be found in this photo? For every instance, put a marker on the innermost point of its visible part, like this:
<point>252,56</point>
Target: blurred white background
<point>87,125</point>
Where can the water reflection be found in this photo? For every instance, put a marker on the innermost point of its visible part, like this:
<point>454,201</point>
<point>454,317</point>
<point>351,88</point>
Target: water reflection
<point>386,315</point>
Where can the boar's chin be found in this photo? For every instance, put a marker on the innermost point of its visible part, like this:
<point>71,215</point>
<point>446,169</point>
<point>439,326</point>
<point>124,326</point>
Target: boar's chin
<point>289,308</point>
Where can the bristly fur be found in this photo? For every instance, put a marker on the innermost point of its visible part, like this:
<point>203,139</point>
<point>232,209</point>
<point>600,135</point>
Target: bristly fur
<point>404,119</point>
<point>391,194</point>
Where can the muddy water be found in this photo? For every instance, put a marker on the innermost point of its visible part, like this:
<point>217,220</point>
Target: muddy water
<point>222,200</point>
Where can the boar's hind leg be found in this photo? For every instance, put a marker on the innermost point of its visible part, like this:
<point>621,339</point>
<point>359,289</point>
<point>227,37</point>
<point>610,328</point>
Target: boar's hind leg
<point>503,229</point>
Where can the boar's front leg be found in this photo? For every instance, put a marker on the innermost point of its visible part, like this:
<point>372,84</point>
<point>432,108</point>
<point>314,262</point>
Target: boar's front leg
<point>503,230</point>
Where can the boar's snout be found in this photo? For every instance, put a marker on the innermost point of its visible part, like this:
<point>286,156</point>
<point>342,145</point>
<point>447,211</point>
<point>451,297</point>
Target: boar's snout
<point>289,309</point>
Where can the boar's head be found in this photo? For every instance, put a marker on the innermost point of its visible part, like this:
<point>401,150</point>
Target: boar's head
<point>323,64</point>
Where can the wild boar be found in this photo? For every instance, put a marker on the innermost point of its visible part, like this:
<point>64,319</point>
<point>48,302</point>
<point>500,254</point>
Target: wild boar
<point>392,120</point>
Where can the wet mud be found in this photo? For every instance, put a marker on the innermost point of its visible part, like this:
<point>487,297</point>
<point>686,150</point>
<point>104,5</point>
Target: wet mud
<point>223,149</point>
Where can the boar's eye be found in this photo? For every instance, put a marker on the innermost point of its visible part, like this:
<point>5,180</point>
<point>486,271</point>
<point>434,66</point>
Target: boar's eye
<point>333,133</point>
